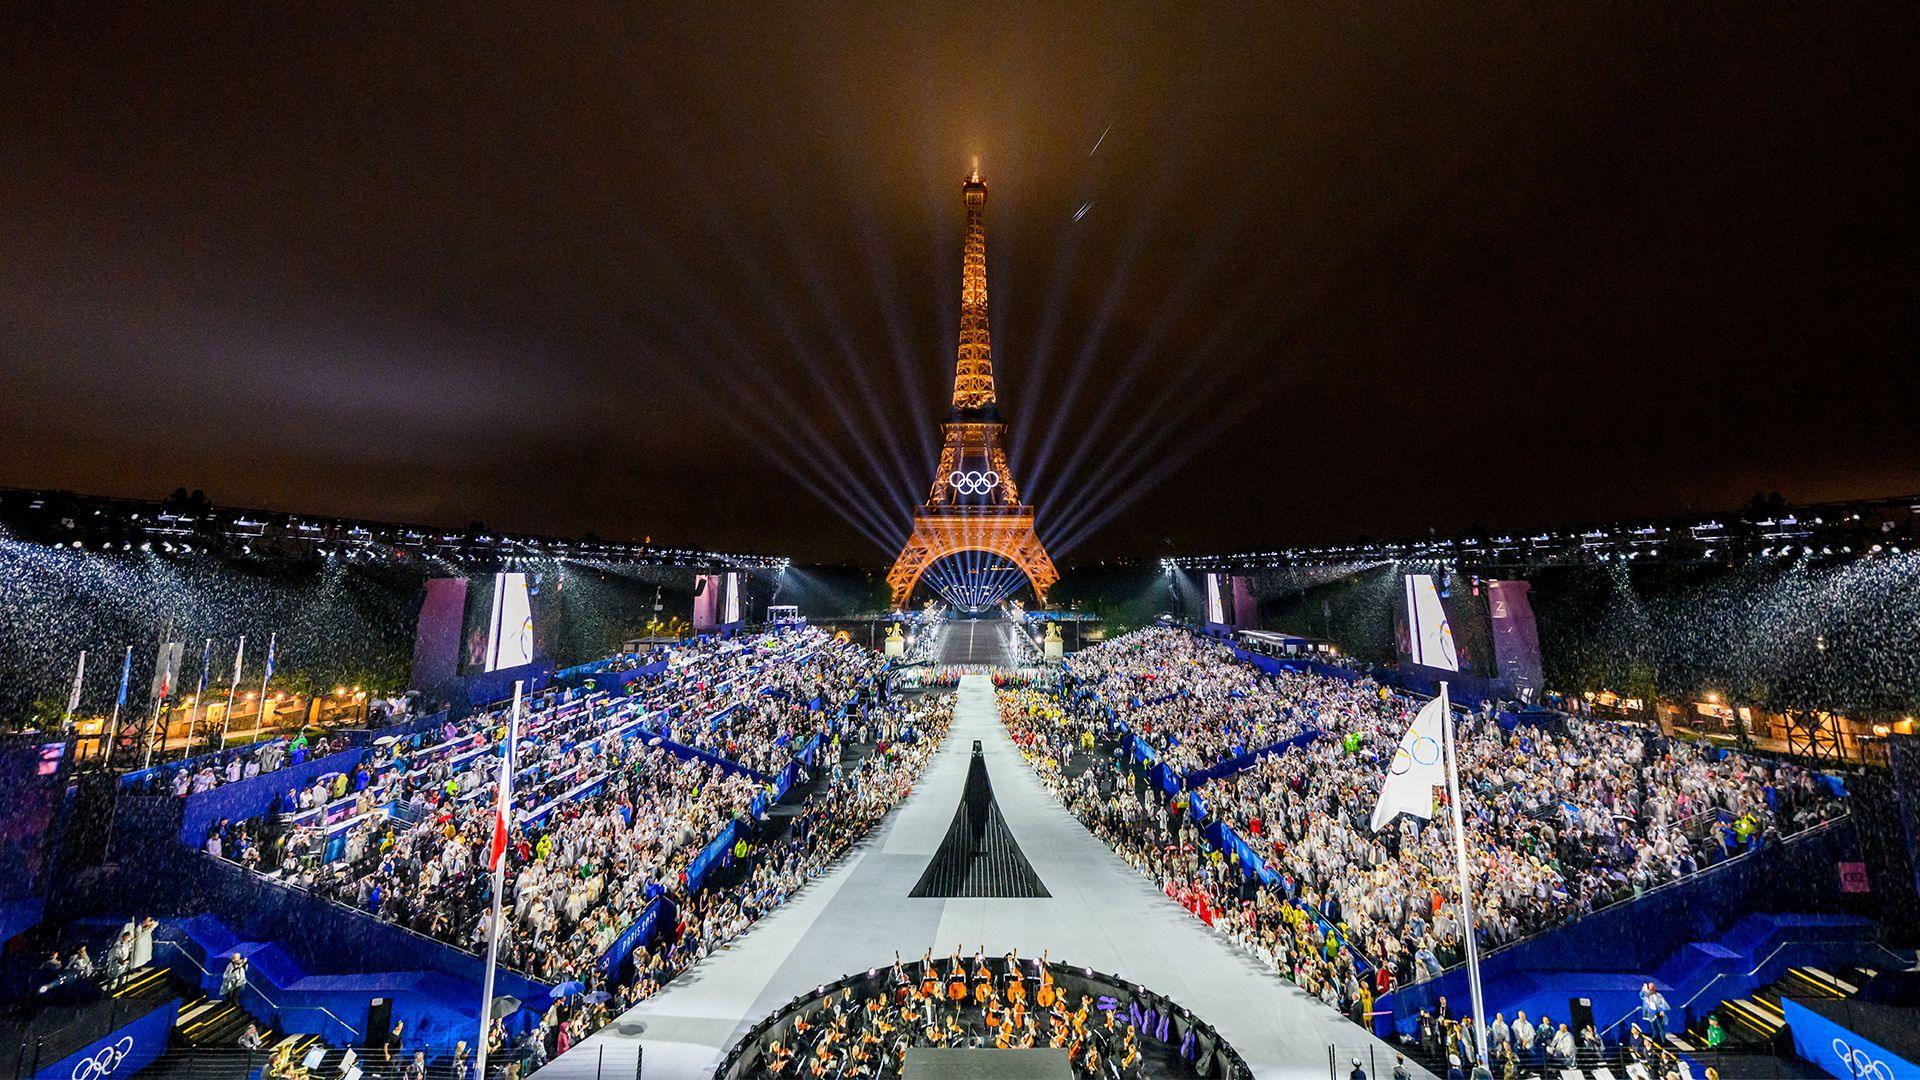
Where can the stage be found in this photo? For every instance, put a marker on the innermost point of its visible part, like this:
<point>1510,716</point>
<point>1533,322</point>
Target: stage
<point>928,1064</point>
<point>1100,913</point>
<point>980,641</point>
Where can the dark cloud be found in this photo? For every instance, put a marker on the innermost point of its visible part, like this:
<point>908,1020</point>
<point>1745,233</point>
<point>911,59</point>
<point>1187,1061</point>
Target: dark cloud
<point>683,271</point>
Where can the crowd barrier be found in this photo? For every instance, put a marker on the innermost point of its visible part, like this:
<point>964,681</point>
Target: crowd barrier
<point>253,798</point>
<point>658,912</point>
<point>1247,760</point>
<point>1638,936</point>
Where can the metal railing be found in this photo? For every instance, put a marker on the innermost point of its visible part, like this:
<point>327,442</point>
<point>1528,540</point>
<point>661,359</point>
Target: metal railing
<point>354,912</point>
<point>1376,1059</point>
<point>1629,896</point>
<point>596,1059</point>
<point>279,1009</point>
<point>1685,1009</point>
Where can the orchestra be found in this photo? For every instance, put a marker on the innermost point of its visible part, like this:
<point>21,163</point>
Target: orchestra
<point>1008,1004</point>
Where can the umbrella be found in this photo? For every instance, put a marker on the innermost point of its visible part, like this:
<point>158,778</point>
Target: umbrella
<point>386,739</point>
<point>568,988</point>
<point>505,1005</point>
<point>598,997</point>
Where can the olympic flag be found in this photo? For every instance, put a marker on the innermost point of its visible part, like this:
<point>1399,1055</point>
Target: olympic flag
<point>1416,770</point>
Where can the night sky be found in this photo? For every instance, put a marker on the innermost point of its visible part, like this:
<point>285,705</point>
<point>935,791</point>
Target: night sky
<point>694,274</point>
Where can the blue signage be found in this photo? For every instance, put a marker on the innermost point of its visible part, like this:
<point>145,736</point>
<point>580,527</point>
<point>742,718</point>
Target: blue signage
<point>1842,1052</point>
<point>120,1053</point>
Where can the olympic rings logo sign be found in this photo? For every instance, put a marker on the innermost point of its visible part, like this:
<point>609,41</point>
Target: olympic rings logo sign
<point>1425,751</point>
<point>1860,1064</point>
<point>973,482</point>
<point>103,1063</point>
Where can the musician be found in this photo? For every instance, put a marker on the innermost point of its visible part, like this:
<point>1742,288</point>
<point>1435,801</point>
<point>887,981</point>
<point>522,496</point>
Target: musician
<point>929,975</point>
<point>897,979</point>
<point>1129,1053</point>
<point>956,978</point>
<point>1048,994</point>
<point>1016,979</point>
<point>1091,1063</point>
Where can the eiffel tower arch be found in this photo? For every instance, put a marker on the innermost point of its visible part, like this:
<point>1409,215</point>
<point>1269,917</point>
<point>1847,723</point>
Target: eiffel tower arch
<point>974,504</point>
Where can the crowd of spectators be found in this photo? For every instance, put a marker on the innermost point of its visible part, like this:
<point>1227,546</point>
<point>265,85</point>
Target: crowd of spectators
<point>1562,818</point>
<point>755,716</point>
<point>1188,698</point>
<point>1155,833</point>
<point>608,819</point>
<point>239,763</point>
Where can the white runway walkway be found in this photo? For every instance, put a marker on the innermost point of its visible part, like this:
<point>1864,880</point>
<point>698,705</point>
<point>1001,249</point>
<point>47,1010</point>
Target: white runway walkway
<point>1101,914</point>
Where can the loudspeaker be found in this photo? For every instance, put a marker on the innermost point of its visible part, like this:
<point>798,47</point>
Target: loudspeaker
<point>380,1021</point>
<point>1581,1012</point>
<point>83,843</point>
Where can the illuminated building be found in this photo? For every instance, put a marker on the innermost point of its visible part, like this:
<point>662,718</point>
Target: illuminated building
<point>974,504</point>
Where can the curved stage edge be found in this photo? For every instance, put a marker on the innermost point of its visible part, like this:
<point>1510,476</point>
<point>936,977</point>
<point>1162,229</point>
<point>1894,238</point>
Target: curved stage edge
<point>1173,1041</point>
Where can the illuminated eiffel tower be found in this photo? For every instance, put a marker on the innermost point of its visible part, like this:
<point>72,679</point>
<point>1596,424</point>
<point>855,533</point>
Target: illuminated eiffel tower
<point>974,505</point>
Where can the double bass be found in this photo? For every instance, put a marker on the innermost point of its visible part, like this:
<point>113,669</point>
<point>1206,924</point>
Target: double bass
<point>929,975</point>
<point>956,979</point>
<point>1046,996</point>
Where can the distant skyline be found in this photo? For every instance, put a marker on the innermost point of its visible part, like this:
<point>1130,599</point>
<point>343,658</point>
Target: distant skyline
<point>1260,277</point>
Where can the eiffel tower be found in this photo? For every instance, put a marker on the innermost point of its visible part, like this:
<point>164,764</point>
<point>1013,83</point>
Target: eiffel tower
<point>974,505</point>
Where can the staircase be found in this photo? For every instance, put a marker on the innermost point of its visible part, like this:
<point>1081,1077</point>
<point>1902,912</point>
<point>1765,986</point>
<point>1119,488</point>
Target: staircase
<point>150,983</point>
<point>1758,1021</point>
<point>205,1044</point>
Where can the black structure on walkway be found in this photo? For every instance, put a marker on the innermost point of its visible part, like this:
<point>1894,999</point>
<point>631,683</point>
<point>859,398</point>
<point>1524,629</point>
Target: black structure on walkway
<point>979,856</point>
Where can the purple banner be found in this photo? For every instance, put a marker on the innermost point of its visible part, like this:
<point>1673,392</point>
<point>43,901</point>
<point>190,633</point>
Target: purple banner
<point>1516,640</point>
<point>1246,616</point>
<point>436,641</point>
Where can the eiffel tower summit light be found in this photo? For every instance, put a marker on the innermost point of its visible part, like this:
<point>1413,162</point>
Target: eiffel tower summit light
<point>974,505</point>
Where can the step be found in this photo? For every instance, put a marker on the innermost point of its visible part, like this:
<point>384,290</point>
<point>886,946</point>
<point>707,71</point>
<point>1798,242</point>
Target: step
<point>227,1028</point>
<point>1832,984</point>
<point>140,982</point>
<point>195,1010</point>
<point>1746,1014</point>
<point>1801,985</point>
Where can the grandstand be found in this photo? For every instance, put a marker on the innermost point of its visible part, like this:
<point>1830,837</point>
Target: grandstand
<point>1027,724</point>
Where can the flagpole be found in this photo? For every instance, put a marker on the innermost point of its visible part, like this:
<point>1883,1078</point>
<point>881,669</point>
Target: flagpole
<point>73,699</point>
<point>503,811</point>
<point>113,728</point>
<point>1466,888</point>
<point>165,675</point>
<point>199,695</point>
<point>226,718</point>
<point>260,717</point>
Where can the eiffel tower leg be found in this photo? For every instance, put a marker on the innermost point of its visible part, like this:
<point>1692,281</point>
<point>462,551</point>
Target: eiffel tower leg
<point>905,573</point>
